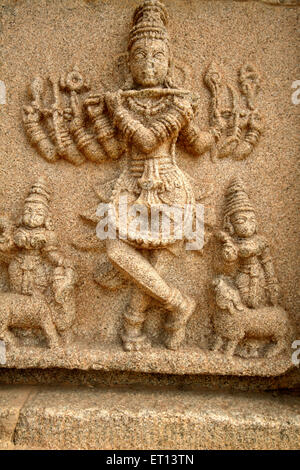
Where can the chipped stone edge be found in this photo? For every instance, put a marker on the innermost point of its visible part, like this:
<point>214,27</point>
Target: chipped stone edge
<point>10,429</point>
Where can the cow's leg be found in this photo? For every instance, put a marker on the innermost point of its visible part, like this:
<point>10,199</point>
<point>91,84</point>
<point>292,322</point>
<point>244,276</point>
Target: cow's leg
<point>5,334</point>
<point>9,338</point>
<point>49,330</point>
<point>66,337</point>
<point>218,343</point>
<point>230,347</point>
<point>277,347</point>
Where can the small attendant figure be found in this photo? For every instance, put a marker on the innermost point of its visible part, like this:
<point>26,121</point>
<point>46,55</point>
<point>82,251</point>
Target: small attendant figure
<point>248,302</point>
<point>41,278</point>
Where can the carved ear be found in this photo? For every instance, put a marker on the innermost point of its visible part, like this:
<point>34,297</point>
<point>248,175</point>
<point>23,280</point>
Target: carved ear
<point>126,60</point>
<point>19,220</point>
<point>227,225</point>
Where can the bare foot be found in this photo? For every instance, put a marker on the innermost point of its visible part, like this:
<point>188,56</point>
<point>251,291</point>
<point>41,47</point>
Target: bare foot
<point>135,343</point>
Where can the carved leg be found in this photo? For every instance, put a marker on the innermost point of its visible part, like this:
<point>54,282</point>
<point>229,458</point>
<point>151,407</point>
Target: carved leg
<point>176,324</point>
<point>132,263</point>
<point>218,344</point>
<point>134,318</point>
<point>50,330</point>
<point>230,347</point>
<point>277,347</point>
<point>9,338</point>
<point>66,337</point>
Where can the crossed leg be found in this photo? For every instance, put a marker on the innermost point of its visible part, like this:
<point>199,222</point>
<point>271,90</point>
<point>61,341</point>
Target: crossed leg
<point>144,275</point>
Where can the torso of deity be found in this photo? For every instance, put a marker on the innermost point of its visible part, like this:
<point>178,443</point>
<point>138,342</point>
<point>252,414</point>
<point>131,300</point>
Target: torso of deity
<point>152,178</point>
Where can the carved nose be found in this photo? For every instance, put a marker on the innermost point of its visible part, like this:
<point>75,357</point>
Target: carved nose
<point>149,65</point>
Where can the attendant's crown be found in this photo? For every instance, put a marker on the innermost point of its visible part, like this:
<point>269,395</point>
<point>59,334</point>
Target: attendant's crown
<point>39,193</point>
<point>236,198</point>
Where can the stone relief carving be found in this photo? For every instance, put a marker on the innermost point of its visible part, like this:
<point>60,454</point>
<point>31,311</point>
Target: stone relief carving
<point>248,301</point>
<point>142,123</point>
<point>77,130</point>
<point>40,293</point>
<point>242,121</point>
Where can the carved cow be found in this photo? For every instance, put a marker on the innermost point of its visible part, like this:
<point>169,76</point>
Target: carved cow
<point>23,311</point>
<point>235,322</point>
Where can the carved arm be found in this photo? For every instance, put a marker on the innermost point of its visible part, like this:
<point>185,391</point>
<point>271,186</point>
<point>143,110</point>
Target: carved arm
<point>147,138</point>
<point>105,132</point>
<point>255,128</point>
<point>53,253</point>
<point>84,140</point>
<point>229,251</point>
<point>197,142</point>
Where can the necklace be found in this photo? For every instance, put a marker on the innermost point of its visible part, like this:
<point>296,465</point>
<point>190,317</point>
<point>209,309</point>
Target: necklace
<point>147,106</point>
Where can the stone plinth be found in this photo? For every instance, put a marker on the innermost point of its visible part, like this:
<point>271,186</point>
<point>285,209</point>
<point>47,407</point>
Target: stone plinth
<point>153,418</point>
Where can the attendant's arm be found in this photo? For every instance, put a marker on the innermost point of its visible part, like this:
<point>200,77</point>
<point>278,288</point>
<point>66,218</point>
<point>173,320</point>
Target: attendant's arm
<point>52,252</point>
<point>229,251</point>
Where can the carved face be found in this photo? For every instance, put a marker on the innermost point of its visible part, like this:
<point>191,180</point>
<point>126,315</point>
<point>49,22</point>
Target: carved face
<point>149,62</point>
<point>34,215</point>
<point>244,223</point>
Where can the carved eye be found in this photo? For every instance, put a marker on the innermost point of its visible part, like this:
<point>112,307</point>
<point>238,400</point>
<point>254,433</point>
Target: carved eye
<point>241,220</point>
<point>139,55</point>
<point>159,55</point>
<point>226,114</point>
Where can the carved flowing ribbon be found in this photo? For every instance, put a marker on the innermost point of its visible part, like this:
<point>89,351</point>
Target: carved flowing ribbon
<point>27,266</point>
<point>254,278</point>
<point>150,184</point>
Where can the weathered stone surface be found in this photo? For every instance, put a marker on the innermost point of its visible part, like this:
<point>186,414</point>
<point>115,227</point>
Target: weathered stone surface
<point>185,361</point>
<point>86,310</point>
<point>174,107</point>
<point>116,418</point>
<point>11,401</point>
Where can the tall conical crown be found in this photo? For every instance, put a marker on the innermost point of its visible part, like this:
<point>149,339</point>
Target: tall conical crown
<point>39,193</point>
<point>236,198</point>
<point>149,21</point>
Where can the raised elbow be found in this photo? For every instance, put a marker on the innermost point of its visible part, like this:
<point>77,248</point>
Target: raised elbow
<point>146,141</point>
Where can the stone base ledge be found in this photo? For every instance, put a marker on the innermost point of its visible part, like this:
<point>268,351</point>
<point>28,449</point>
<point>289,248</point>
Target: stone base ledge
<point>153,418</point>
<point>158,360</point>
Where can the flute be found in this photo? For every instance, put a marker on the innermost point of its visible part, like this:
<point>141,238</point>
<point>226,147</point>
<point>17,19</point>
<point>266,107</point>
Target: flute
<point>157,92</point>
